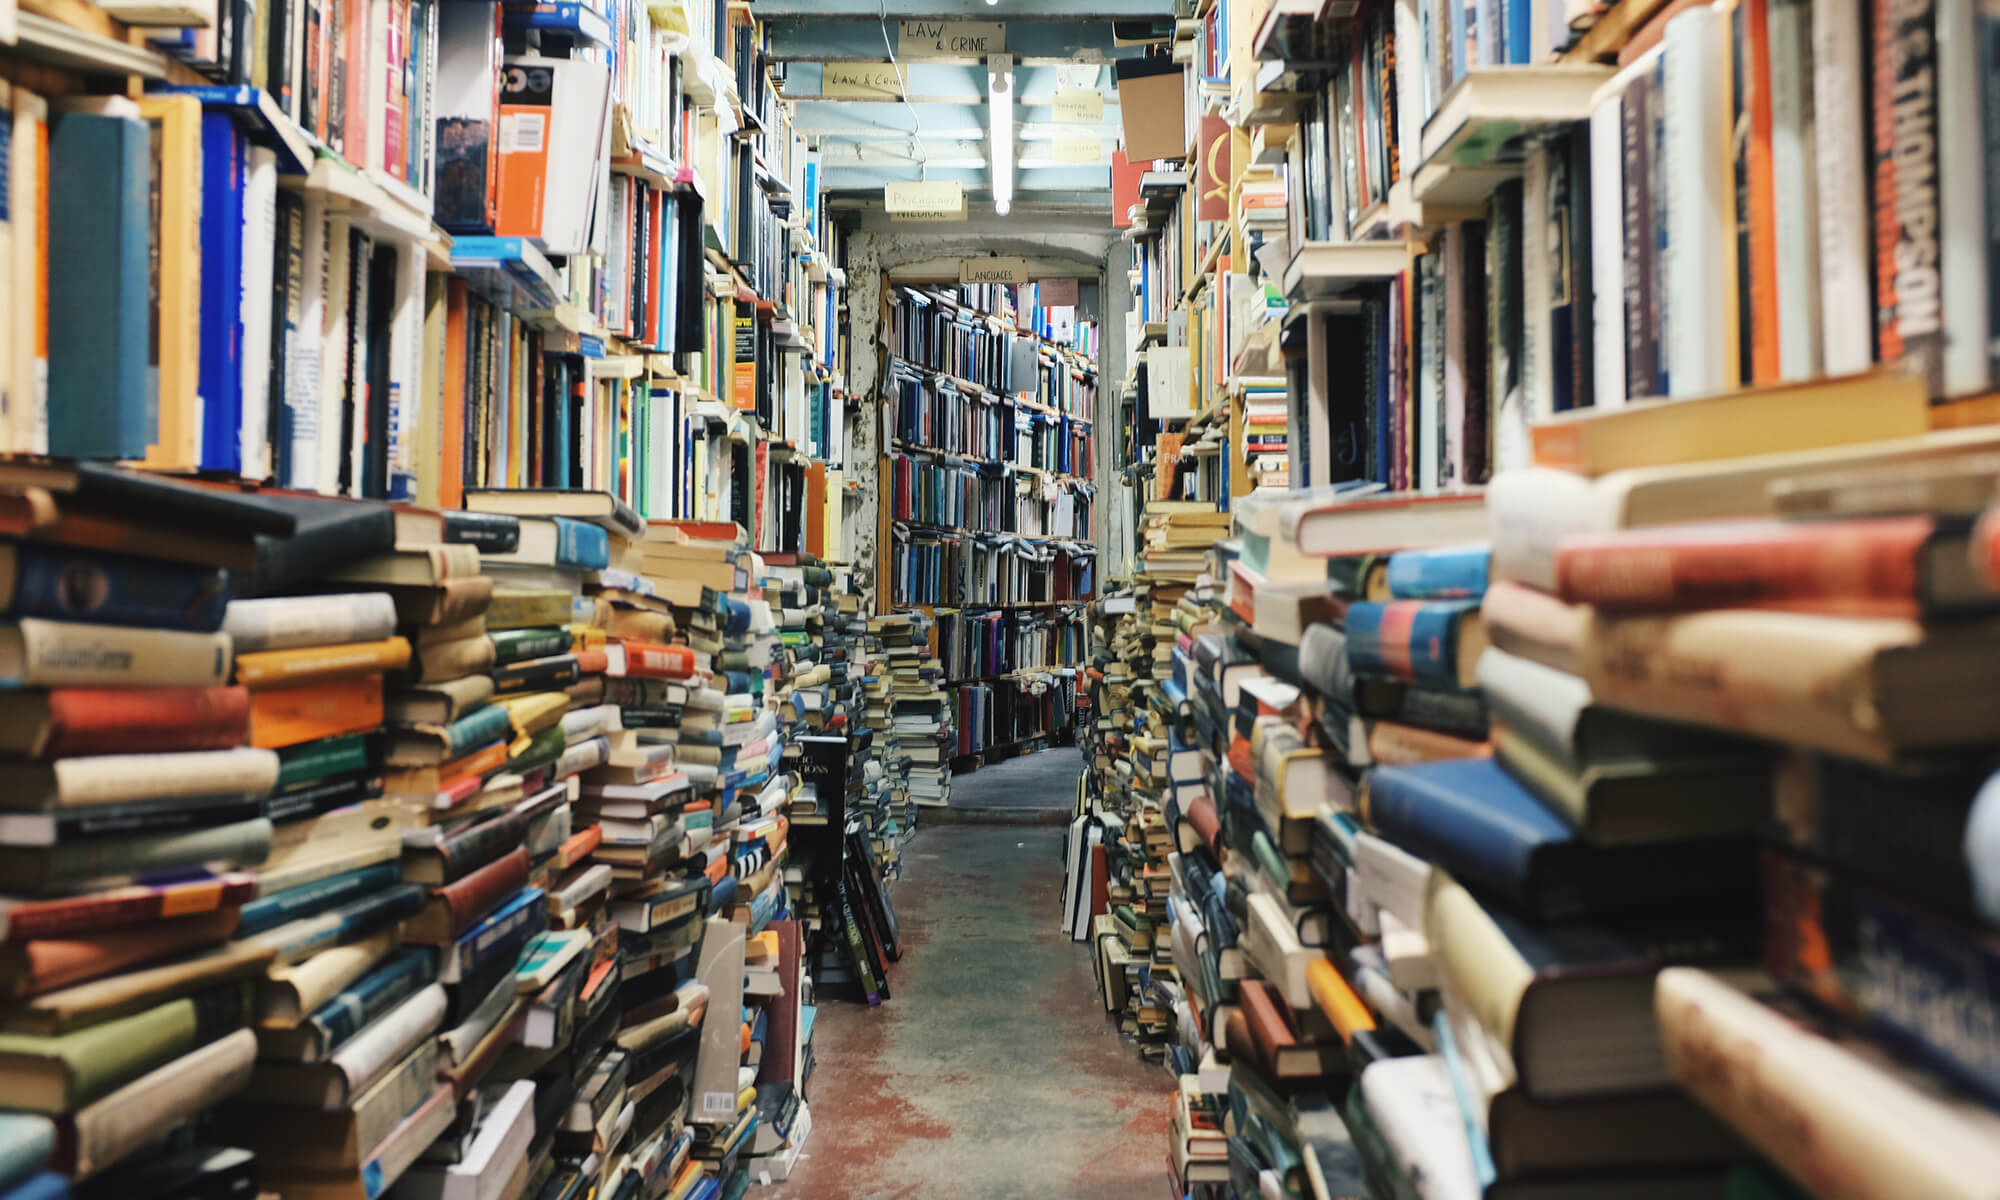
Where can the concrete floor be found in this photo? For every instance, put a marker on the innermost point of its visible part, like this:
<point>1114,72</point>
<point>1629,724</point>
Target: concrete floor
<point>993,1071</point>
<point>1038,782</point>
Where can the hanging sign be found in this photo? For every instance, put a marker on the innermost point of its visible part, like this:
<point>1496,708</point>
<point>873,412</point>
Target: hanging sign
<point>1075,148</point>
<point>861,81</point>
<point>1079,106</point>
<point>993,270</point>
<point>1057,293</point>
<point>924,201</point>
<point>951,39</point>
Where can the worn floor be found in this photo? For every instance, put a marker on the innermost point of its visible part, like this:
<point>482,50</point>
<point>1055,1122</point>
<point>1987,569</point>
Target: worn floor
<point>1043,780</point>
<point>992,1072</point>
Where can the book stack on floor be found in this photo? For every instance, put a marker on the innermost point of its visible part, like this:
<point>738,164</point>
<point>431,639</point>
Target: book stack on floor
<point>136,812</point>
<point>918,708</point>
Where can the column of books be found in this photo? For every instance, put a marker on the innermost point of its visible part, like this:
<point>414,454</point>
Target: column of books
<point>1561,816</point>
<point>988,409</point>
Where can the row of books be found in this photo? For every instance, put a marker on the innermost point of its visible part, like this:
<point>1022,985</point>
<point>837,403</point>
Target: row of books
<point>908,710</point>
<point>928,567</point>
<point>1007,717</point>
<point>976,644</point>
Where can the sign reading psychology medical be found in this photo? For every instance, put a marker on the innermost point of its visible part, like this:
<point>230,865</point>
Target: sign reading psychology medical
<point>993,270</point>
<point>930,201</point>
<point>951,39</point>
<point>1058,293</point>
<point>1077,148</point>
<point>861,81</point>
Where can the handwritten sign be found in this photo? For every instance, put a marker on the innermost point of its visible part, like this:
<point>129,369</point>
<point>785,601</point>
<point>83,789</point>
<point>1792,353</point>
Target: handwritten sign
<point>993,270</point>
<point>951,39</point>
<point>1077,148</point>
<point>1079,106</point>
<point>1058,293</point>
<point>930,201</point>
<point>861,81</point>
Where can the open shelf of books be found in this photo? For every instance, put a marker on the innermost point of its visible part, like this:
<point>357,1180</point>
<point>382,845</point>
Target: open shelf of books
<point>988,403</point>
<point>1501,789</point>
<point>441,410</point>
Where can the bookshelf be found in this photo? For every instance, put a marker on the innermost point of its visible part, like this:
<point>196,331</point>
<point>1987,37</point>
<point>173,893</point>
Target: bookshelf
<point>987,498</point>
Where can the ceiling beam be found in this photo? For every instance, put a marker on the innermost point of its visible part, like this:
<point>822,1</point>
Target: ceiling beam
<point>1032,43</point>
<point>834,118</point>
<point>974,179</point>
<point>1005,10</point>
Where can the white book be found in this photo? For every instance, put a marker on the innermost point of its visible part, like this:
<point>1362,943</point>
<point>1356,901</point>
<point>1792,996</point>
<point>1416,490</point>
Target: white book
<point>406,372</point>
<point>260,239</point>
<point>1846,246</point>
<point>1962,167</point>
<point>1537,370</point>
<point>286,622</point>
<point>375,84</point>
<point>1698,183</point>
<point>385,1040</point>
<point>1419,1118</point>
<point>1796,177</point>
<point>499,1143</point>
<point>334,343</point>
<point>1607,247</point>
<point>120,1123</point>
<point>1452,279</point>
<point>25,427</point>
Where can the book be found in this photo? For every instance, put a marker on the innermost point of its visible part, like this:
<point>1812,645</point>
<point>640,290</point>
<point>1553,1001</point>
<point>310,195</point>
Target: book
<point>359,1062</point>
<point>67,722</point>
<point>440,703</point>
<point>598,508</point>
<point>60,1073</point>
<point>110,779</point>
<point>103,1132</point>
<point>120,995</point>
<point>39,653</point>
<point>454,907</point>
<point>113,907</point>
<point>28,967</point>
<point>354,1007</point>
<point>287,716</point>
<point>293,1138</point>
<point>1435,642</point>
<point>289,622</point>
<point>294,990</point>
<point>428,567</point>
<point>1471,817</point>
<point>97,186</point>
<point>1789,1083</point>
<point>75,865</point>
<point>63,584</point>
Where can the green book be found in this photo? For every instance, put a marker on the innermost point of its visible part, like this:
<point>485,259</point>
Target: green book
<point>62,1073</point>
<point>40,870</point>
<point>543,749</point>
<point>328,756</point>
<point>519,645</point>
<point>524,609</point>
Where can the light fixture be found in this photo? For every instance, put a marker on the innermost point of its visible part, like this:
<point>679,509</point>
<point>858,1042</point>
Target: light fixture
<point>1000,136</point>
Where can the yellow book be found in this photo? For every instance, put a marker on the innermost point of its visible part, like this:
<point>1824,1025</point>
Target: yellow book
<point>1838,412</point>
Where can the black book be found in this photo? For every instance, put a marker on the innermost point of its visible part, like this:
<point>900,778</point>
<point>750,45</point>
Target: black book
<point>327,532</point>
<point>193,1173</point>
<point>493,533</point>
<point>288,311</point>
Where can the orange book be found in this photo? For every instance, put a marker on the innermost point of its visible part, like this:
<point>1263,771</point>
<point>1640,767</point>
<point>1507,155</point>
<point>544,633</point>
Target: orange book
<point>447,777</point>
<point>815,515</point>
<point>1762,219</point>
<point>290,715</point>
<point>313,664</point>
<point>644,660</point>
<point>38,965</point>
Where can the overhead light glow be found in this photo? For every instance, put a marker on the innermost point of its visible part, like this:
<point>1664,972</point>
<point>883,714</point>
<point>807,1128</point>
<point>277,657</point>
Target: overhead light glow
<point>1000,136</point>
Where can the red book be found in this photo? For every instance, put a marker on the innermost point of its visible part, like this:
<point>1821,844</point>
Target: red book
<point>650,660</point>
<point>1884,566</point>
<point>68,722</point>
<point>456,907</point>
<point>31,967</point>
<point>66,915</point>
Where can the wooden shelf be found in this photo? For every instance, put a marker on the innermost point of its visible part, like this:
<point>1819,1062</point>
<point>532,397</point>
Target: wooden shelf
<point>1616,27</point>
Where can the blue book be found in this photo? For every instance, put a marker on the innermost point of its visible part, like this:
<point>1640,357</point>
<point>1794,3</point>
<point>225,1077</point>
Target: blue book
<point>1413,640</point>
<point>26,1142</point>
<point>101,397</point>
<point>475,729</point>
<point>1448,573</point>
<point>44,1186</point>
<point>368,997</point>
<point>311,899</point>
<point>113,589</point>
<point>1470,818</point>
<point>223,173</point>
<point>501,933</point>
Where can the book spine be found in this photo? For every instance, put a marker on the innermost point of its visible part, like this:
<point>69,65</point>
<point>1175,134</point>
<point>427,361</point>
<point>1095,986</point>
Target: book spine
<point>503,932</point>
<point>1640,372</point>
<point>1844,168</point>
<point>80,863</point>
<point>471,897</point>
<point>1697,206</point>
<point>342,1017</point>
<point>116,778</point>
<point>1438,574</point>
<point>477,728</point>
<point>1907,268</point>
<point>350,922</point>
<point>386,1040</point>
<point>519,645</point>
<point>21,920</point>
<point>1852,561</point>
<point>288,622</point>
<point>1962,170</point>
<point>319,797</point>
<point>133,820</point>
<point>292,904</point>
<point>1758,213</point>
<point>285,668</point>
<point>71,585</point>
<point>57,654</point>
<point>1409,640</point>
<point>128,1118</point>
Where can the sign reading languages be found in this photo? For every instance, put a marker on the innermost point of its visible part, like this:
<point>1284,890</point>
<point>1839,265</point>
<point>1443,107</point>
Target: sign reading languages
<point>993,270</point>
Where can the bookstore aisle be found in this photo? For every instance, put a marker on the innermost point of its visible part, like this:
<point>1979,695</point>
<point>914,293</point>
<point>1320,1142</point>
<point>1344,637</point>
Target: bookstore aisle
<point>991,1074</point>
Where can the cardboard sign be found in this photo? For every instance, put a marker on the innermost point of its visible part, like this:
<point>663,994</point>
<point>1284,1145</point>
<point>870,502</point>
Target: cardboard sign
<point>950,39</point>
<point>1058,293</point>
<point>993,270</point>
<point>937,201</point>
<point>1079,106</point>
<point>861,81</point>
<point>1077,148</point>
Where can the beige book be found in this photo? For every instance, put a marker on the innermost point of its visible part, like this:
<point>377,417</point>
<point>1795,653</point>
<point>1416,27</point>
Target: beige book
<point>1840,1115</point>
<point>121,778</point>
<point>1534,625</point>
<point>121,995</point>
<point>128,1118</point>
<point>38,653</point>
<point>1863,688</point>
<point>358,1063</point>
<point>292,1138</point>
<point>290,993</point>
